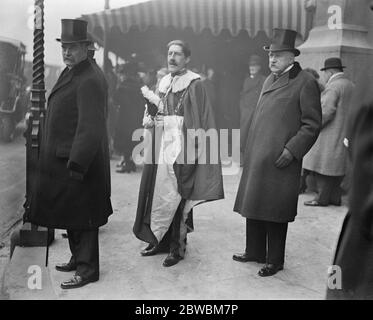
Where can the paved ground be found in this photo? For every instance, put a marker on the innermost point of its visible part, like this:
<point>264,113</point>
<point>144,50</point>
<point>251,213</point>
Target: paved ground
<point>12,183</point>
<point>12,192</point>
<point>207,272</point>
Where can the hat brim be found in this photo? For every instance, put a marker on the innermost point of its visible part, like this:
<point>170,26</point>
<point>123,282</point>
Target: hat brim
<point>293,50</point>
<point>71,41</point>
<point>333,67</point>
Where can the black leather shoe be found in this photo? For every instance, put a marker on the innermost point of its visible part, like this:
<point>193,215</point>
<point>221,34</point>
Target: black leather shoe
<point>77,281</point>
<point>66,267</point>
<point>244,257</point>
<point>152,250</point>
<point>270,269</point>
<point>171,260</point>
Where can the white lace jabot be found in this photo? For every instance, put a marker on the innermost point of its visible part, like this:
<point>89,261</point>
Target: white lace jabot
<point>179,83</point>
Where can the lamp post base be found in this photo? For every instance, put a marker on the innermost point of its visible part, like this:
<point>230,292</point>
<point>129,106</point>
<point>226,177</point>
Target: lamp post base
<point>30,235</point>
<point>35,236</point>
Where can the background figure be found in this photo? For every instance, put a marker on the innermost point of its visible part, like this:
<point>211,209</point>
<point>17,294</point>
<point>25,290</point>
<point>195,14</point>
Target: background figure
<point>354,252</point>
<point>111,79</point>
<point>129,118</point>
<point>249,97</point>
<point>327,158</point>
<point>149,79</point>
<point>210,85</point>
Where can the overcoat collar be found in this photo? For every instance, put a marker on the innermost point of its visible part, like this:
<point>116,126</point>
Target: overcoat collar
<point>336,77</point>
<point>67,75</point>
<point>270,84</point>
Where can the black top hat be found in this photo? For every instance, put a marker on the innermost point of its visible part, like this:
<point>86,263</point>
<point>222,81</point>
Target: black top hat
<point>73,30</point>
<point>332,63</point>
<point>283,40</point>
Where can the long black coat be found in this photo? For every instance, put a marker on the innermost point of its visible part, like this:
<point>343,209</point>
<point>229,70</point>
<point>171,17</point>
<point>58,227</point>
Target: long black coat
<point>288,114</point>
<point>129,118</point>
<point>74,139</point>
<point>354,253</point>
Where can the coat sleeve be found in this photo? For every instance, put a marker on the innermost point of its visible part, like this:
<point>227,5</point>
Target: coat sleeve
<point>310,118</point>
<point>91,125</point>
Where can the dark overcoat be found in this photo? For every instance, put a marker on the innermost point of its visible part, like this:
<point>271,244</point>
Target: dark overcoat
<point>249,98</point>
<point>288,115</point>
<point>74,139</point>
<point>354,253</point>
<point>129,118</point>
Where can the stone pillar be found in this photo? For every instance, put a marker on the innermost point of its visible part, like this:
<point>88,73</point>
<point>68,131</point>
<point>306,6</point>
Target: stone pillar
<point>340,30</point>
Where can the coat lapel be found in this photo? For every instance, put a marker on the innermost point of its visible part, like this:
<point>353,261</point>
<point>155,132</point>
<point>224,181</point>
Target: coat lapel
<point>63,80</point>
<point>67,75</point>
<point>271,85</point>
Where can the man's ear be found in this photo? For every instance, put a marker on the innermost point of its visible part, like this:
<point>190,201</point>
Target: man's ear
<point>187,60</point>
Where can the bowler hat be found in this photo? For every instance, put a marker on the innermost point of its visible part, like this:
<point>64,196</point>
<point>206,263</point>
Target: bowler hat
<point>332,63</point>
<point>73,30</point>
<point>255,60</point>
<point>283,40</point>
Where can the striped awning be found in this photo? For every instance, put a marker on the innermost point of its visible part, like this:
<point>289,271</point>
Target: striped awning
<point>216,15</point>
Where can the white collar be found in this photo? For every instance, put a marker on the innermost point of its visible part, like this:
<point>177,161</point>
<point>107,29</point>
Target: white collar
<point>287,69</point>
<point>283,72</point>
<point>178,82</point>
<point>334,76</point>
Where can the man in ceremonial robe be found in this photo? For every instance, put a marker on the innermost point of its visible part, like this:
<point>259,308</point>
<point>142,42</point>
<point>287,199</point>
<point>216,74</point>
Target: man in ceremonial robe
<point>170,189</point>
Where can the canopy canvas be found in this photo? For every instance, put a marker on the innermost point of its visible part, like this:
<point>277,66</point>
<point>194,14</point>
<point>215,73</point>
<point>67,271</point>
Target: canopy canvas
<point>215,15</point>
<point>222,34</point>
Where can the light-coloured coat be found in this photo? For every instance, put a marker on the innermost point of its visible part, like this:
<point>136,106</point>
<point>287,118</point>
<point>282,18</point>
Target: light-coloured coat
<point>328,156</point>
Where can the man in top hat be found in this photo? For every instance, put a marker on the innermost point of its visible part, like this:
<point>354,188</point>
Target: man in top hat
<point>285,125</point>
<point>328,157</point>
<point>249,96</point>
<point>73,184</point>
